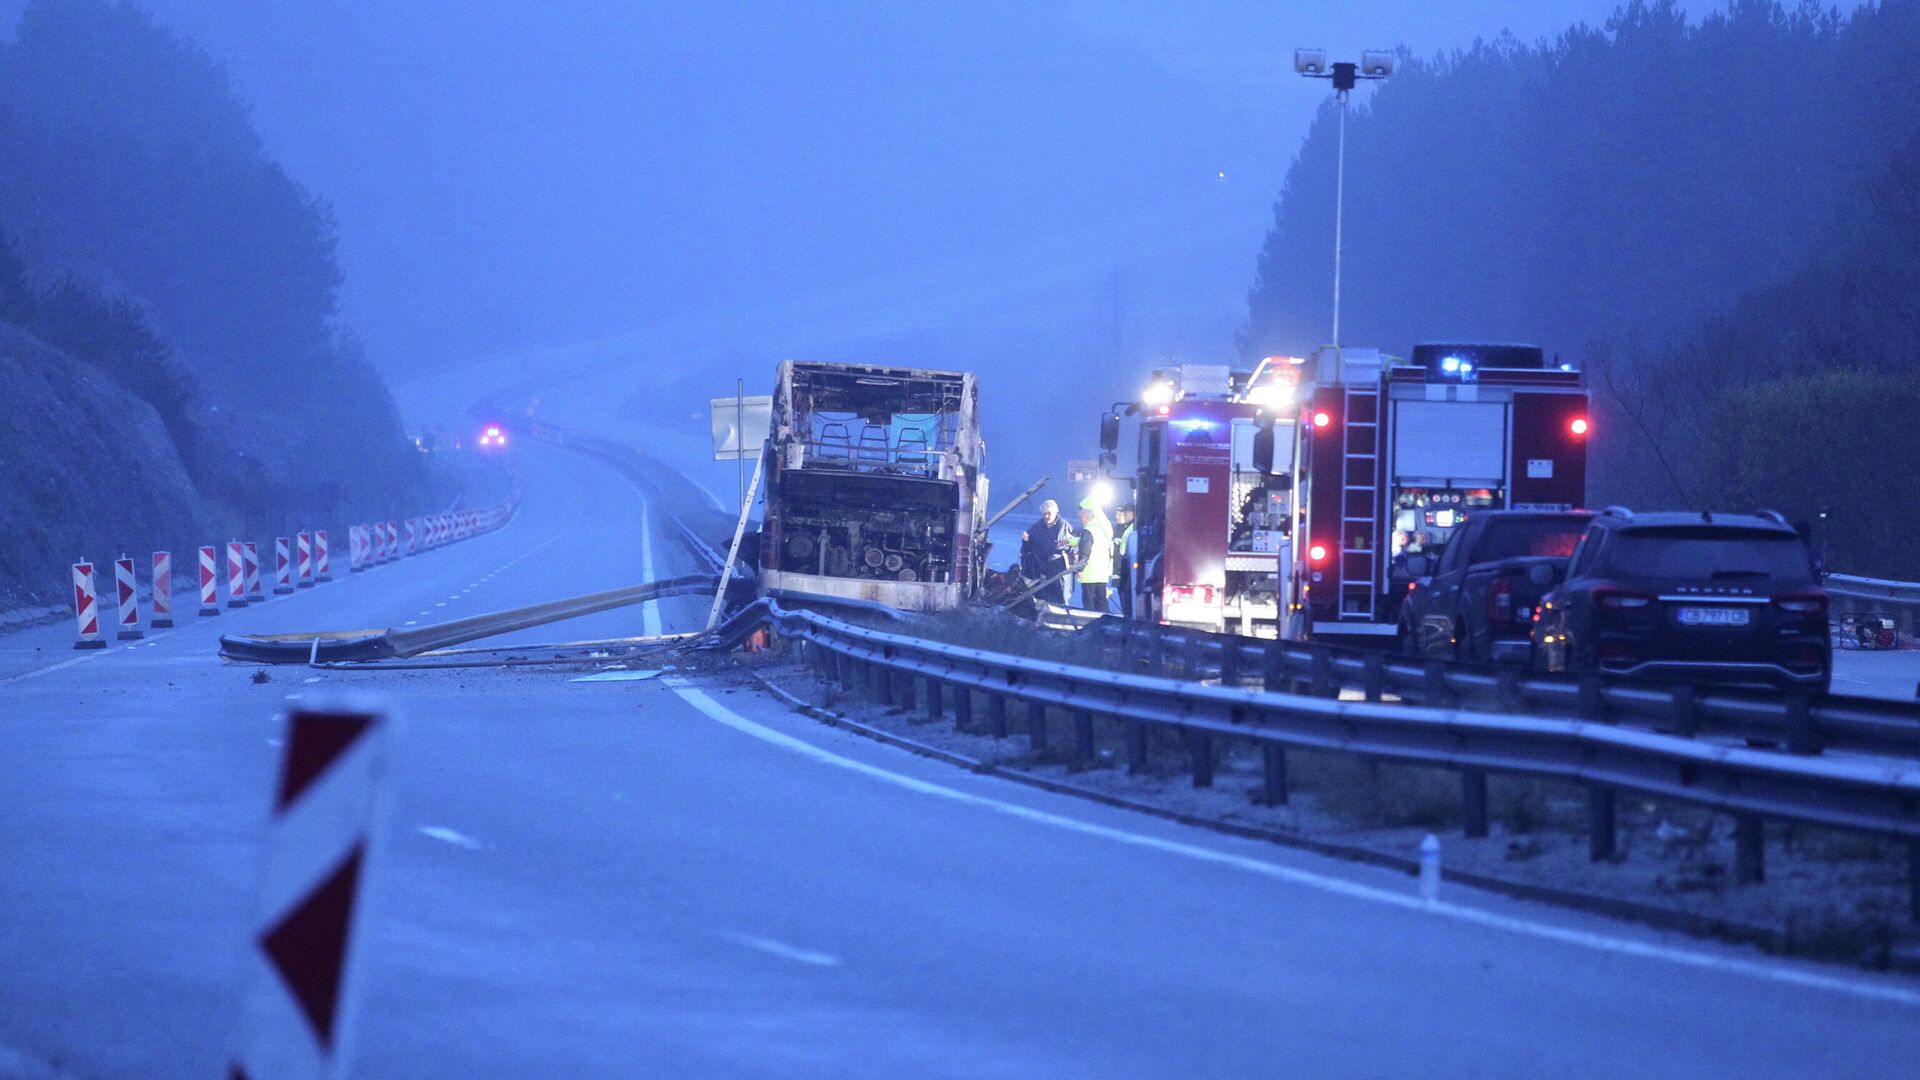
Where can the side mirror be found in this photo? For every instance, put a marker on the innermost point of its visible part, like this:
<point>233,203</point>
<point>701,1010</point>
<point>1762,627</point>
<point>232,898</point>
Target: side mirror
<point>1542,574</point>
<point>1110,432</point>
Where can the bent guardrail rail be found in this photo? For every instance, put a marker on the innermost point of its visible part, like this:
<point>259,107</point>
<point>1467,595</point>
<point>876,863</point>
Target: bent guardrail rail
<point>344,646</point>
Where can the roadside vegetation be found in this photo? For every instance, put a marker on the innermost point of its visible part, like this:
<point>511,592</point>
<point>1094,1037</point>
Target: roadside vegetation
<point>159,272</point>
<point>1718,215</point>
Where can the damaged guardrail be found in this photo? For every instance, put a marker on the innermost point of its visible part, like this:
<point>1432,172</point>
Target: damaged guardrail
<point>1880,797</point>
<point>344,646</point>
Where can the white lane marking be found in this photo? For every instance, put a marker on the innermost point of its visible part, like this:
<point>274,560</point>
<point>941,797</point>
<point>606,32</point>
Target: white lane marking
<point>94,654</point>
<point>649,612</point>
<point>449,836</point>
<point>1589,939</point>
<point>783,951</point>
<point>413,622</point>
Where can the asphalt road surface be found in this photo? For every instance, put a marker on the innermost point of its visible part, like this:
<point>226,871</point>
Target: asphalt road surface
<point>679,877</point>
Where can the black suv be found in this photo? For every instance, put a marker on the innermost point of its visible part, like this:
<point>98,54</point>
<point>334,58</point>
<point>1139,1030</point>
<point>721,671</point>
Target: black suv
<point>1717,598</point>
<point>1478,602</point>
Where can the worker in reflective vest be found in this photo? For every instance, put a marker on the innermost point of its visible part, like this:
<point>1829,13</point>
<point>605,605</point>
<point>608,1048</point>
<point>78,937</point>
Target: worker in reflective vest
<point>1096,557</point>
<point>1125,552</point>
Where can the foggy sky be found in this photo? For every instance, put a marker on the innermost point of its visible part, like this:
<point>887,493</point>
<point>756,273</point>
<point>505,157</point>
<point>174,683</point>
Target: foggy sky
<point>1079,180</point>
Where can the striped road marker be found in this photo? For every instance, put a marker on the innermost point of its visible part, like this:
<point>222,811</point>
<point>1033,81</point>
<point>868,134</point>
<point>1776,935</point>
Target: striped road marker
<point>300,971</point>
<point>86,608</point>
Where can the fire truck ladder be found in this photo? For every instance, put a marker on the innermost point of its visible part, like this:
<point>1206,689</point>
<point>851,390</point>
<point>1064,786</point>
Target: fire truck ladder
<point>1359,485</point>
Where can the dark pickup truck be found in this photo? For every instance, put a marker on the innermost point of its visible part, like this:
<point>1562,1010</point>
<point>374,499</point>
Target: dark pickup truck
<point>1476,599</point>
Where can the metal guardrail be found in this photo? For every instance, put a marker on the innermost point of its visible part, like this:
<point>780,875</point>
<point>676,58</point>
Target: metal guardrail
<point>366,645</point>
<point>1866,588</point>
<point>1800,724</point>
<point>1877,796</point>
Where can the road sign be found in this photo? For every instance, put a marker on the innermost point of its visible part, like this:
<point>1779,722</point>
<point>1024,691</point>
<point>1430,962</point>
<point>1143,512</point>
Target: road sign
<point>1083,470</point>
<point>729,415</point>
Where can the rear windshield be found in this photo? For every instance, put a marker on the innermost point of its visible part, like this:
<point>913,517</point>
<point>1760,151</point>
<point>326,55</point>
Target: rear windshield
<point>1512,538</point>
<point>1710,554</point>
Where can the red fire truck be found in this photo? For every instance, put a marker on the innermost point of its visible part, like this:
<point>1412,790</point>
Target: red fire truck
<point>1213,494</point>
<point>1285,500</point>
<point>1393,456</point>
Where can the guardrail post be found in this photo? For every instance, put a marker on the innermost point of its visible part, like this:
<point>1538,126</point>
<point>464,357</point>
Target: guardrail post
<point>1190,657</point>
<point>935,706</point>
<point>1322,684</point>
<point>1083,740</point>
<point>1229,662</point>
<point>1037,726</point>
<point>1201,745</point>
<point>997,715</point>
<point>1801,738</point>
<point>962,706</point>
<point>1508,682</point>
<point>1749,850</point>
<point>1602,841</point>
<point>1434,692</point>
<point>1913,879</point>
<point>1686,720</point>
<point>1156,650</point>
<point>1593,702</point>
<point>1375,676</point>
<point>1273,678</point>
<point>1136,747</point>
<point>1473,798</point>
<point>1273,778</point>
<point>1126,645</point>
<point>880,680</point>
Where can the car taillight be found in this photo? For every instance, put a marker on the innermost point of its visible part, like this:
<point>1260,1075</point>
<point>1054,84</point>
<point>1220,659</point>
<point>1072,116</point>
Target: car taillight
<point>1807,656</point>
<point>1317,553</point>
<point>1500,601</point>
<point>1621,599</point>
<point>1808,603</point>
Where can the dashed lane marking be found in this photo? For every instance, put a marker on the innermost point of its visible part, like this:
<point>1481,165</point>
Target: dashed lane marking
<point>780,949</point>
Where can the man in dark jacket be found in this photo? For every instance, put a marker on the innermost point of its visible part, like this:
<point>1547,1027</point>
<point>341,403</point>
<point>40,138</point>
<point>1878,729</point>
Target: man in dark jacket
<point>1046,550</point>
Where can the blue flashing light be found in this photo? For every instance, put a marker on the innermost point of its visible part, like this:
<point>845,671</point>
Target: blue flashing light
<point>1193,424</point>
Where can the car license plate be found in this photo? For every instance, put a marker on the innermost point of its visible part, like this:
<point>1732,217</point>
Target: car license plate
<point>1713,616</point>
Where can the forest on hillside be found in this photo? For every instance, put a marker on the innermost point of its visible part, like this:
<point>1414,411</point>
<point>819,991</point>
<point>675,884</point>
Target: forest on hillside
<point>1719,217</point>
<point>146,233</point>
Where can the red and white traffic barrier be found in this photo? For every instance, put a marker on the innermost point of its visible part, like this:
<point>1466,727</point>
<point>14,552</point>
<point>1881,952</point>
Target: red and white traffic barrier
<point>86,608</point>
<point>162,590</point>
<point>282,567</point>
<point>303,560</point>
<point>393,540</point>
<point>322,565</point>
<point>236,574</point>
<point>303,979</point>
<point>413,537</point>
<point>209,581</point>
<point>356,545</point>
<point>126,589</point>
<point>254,588</point>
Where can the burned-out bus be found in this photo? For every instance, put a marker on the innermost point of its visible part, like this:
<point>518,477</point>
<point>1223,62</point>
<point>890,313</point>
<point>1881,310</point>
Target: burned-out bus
<point>875,488</point>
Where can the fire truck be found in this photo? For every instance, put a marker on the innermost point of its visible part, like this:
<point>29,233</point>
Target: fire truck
<point>1213,495</point>
<point>1393,456</point>
<point>1286,501</point>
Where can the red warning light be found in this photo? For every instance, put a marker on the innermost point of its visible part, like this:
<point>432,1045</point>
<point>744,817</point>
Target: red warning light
<point>1322,418</point>
<point>1163,409</point>
<point>1318,552</point>
<point>1578,426</point>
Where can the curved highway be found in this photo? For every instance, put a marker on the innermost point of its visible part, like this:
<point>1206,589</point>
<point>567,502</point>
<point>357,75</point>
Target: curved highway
<point>679,877</point>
